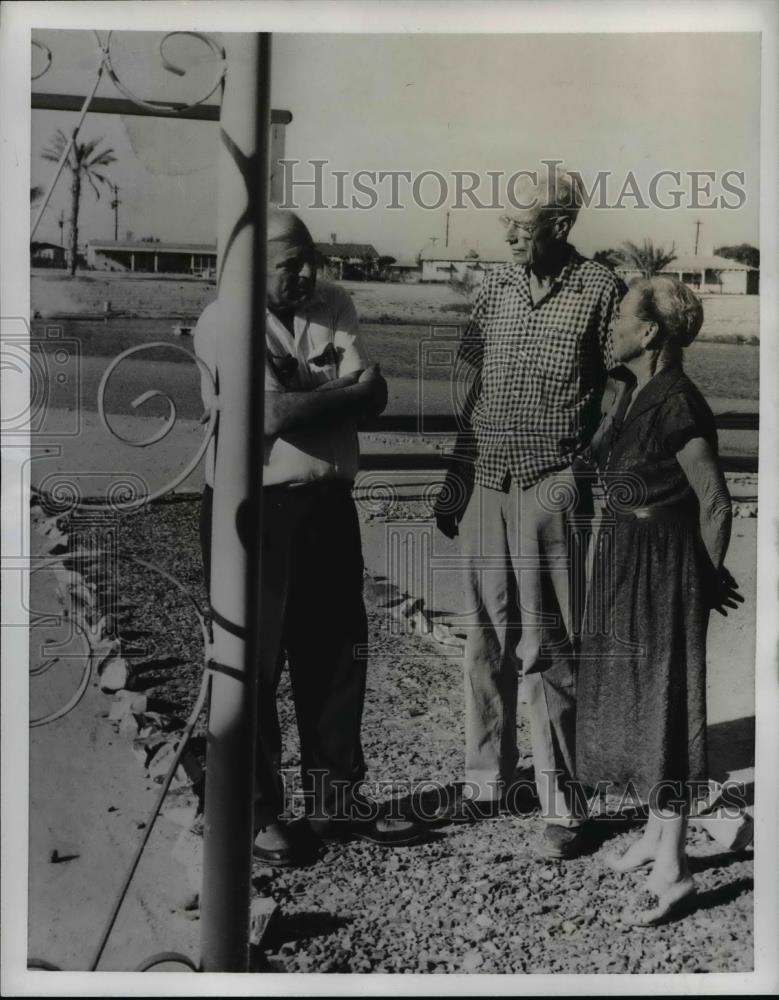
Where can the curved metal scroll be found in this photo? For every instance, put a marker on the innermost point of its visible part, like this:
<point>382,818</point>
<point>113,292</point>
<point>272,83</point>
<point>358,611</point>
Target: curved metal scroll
<point>210,426</point>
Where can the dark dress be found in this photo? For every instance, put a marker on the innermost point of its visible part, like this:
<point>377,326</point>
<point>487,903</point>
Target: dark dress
<point>641,691</point>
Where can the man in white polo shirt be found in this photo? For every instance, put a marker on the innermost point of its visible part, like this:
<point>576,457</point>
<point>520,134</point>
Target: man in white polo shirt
<point>318,385</point>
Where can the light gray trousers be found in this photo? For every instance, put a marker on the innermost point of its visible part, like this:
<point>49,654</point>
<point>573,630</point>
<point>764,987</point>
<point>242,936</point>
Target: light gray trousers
<point>524,580</point>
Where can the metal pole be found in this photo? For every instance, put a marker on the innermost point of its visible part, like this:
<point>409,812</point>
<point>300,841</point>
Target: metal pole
<point>115,206</point>
<point>235,561</point>
<point>123,106</point>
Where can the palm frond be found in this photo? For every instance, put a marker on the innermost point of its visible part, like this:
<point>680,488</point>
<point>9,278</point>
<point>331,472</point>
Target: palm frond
<point>93,185</point>
<point>647,258</point>
<point>56,146</point>
<point>85,149</point>
<point>104,159</point>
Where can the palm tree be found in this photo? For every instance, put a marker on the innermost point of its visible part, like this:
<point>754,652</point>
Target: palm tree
<point>647,258</point>
<point>84,161</point>
<point>609,258</point>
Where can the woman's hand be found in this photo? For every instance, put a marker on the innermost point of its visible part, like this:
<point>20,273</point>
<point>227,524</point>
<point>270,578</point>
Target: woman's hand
<point>725,592</point>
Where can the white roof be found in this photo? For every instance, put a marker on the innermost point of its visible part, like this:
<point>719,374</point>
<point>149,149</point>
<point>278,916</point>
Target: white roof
<point>136,245</point>
<point>708,262</point>
<point>445,256</point>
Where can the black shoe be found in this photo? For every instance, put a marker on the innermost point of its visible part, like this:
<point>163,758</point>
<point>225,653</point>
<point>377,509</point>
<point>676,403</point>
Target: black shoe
<point>561,843</point>
<point>383,830</point>
<point>273,846</point>
<point>388,832</point>
<point>473,810</point>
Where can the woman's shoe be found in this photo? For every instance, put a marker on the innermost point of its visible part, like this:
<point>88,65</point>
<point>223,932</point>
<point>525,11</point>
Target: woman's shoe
<point>650,907</point>
<point>626,862</point>
<point>734,833</point>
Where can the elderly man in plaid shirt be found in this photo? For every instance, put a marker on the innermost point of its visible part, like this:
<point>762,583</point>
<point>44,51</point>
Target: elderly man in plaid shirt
<point>537,350</point>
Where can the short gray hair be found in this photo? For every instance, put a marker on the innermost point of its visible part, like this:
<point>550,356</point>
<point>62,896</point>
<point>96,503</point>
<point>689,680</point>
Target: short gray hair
<point>675,308</point>
<point>556,190</point>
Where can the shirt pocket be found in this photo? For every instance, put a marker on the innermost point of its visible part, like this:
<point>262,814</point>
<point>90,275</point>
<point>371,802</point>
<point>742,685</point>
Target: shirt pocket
<point>323,362</point>
<point>285,368</point>
<point>559,355</point>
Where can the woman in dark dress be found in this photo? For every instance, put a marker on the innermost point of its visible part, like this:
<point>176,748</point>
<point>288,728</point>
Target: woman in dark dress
<point>657,571</point>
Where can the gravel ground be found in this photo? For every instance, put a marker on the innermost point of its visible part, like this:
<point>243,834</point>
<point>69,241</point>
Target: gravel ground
<point>475,898</point>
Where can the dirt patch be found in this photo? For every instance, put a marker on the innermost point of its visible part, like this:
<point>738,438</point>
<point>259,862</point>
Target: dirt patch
<point>474,899</point>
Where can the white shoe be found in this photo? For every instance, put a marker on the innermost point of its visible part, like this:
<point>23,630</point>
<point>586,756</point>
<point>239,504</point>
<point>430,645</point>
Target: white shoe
<point>734,833</point>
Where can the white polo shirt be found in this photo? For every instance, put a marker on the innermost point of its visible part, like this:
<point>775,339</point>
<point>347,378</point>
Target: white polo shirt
<point>326,345</point>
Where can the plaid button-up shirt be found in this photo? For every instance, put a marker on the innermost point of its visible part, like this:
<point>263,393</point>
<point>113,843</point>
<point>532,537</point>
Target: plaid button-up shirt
<point>540,368</point>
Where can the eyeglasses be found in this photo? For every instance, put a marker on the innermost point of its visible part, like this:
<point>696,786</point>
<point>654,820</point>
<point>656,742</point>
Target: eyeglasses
<point>513,226</point>
<point>527,228</point>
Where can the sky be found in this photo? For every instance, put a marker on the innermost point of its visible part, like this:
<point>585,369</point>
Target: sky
<point>616,102</point>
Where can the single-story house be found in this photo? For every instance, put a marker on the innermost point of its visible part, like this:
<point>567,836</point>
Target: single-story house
<point>47,255</point>
<point>402,271</point>
<point>707,273</point>
<point>356,261</point>
<point>444,264</point>
<point>157,258</point>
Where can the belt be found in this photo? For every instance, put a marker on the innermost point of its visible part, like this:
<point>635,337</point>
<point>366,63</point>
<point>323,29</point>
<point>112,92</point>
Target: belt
<point>319,485</point>
<point>313,486</point>
<point>669,512</point>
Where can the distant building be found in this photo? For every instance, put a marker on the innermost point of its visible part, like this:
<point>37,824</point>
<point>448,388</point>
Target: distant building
<point>47,255</point>
<point>198,259</point>
<point>402,271</point>
<point>351,261</point>
<point>707,273</point>
<point>443,265</point>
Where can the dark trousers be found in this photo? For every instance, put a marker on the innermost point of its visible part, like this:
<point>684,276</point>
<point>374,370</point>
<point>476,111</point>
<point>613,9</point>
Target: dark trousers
<point>313,614</point>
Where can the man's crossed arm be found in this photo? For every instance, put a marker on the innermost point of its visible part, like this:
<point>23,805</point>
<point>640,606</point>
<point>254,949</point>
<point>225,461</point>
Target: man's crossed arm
<point>350,397</point>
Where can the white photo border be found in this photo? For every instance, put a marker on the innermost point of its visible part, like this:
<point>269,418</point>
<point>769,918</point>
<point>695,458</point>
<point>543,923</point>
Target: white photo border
<point>415,16</point>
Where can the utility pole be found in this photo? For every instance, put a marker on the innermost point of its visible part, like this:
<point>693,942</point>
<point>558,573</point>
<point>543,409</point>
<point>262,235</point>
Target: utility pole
<point>115,203</point>
<point>447,229</point>
<point>698,225</point>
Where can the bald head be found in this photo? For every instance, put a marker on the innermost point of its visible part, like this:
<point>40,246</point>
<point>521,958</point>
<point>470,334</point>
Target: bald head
<point>285,226</point>
<point>291,265</point>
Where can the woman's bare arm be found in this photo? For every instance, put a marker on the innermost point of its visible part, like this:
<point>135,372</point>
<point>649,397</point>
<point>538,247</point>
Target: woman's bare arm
<point>701,466</point>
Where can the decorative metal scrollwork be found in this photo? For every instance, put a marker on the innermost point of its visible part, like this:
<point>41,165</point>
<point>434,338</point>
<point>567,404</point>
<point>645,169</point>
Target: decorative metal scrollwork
<point>216,50</point>
<point>210,425</point>
<point>105,65</point>
<point>47,54</point>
